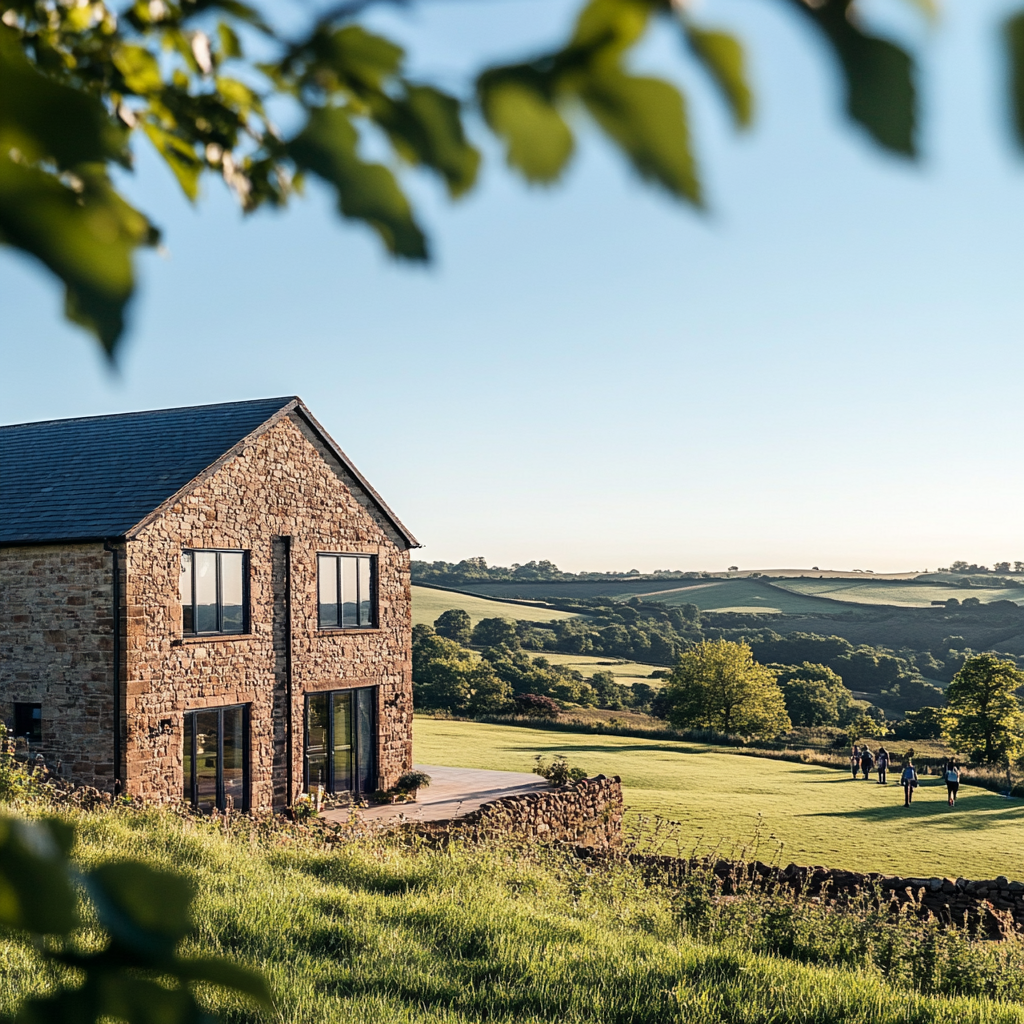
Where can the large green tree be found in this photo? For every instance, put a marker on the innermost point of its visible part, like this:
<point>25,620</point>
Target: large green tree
<point>717,684</point>
<point>84,83</point>
<point>815,695</point>
<point>983,713</point>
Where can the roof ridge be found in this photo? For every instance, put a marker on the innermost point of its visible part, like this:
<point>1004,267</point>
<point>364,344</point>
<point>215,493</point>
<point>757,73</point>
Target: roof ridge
<point>151,412</point>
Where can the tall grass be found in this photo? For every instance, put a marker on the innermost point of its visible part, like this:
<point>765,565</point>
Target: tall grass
<point>384,930</point>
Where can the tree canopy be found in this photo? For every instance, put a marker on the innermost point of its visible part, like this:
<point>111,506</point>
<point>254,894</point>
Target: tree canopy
<point>717,684</point>
<point>983,713</point>
<point>816,696</point>
<point>82,84</point>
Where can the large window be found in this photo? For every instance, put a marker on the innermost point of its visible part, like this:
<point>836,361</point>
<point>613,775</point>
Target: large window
<point>346,592</point>
<point>216,760</point>
<point>341,741</point>
<point>214,592</point>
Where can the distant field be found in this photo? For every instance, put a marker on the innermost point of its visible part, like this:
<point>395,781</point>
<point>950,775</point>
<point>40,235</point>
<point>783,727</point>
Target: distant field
<point>427,605</point>
<point>901,594</point>
<point>739,595</point>
<point>624,672</point>
<point>821,815</point>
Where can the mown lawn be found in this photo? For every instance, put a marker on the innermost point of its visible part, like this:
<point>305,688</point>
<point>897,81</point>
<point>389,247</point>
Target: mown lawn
<point>820,815</point>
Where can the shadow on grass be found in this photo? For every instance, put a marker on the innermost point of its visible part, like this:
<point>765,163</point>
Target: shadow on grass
<point>972,810</point>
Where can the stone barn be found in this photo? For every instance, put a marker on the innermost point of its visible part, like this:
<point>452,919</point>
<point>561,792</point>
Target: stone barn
<point>208,604</point>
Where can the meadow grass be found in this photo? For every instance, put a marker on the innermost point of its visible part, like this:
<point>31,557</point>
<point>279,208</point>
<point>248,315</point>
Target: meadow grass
<point>897,593</point>
<point>820,815</point>
<point>427,605</point>
<point>391,933</point>
<point>741,595</point>
<point>625,672</point>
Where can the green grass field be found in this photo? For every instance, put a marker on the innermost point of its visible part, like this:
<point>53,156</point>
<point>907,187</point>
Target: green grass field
<point>821,815</point>
<point>625,672</point>
<point>739,595</point>
<point>427,605</point>
<point>900,594</point>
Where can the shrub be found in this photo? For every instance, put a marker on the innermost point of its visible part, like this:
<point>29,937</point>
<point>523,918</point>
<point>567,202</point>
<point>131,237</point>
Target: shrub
<point>411,781</point>
<point>559,771</point>
<point>533,705</point>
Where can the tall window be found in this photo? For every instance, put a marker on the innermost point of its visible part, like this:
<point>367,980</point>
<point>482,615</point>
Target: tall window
<point>341,741</point>
<point>214,592</point>
<point>346,591</point>
<point>216,758</point>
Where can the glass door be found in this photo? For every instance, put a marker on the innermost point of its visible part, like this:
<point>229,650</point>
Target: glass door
<point>341,741</point>
<point>215,758</point>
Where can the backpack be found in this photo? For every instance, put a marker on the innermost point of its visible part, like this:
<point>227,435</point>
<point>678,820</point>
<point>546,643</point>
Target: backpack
<point>951,775</point>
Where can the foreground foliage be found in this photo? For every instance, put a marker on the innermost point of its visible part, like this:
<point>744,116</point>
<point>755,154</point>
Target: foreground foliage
<point>384,931</point>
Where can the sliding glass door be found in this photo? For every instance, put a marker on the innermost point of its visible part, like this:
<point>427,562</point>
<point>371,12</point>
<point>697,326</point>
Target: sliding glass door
<point>341,741</point>
<point>216,762</point>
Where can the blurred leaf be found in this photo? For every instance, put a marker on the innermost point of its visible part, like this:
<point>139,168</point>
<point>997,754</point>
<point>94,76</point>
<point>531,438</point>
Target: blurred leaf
<point>45,120</point>
<point>143,908</point>
<point>238,96</point>
<point>139,68</point>
<point>1013,31</point>
<point>612,25</point>
<point>227,975</point>
<point>647,118</point>
<point>328,146</point>
<point>722,55</point>
<point>35,889</point>
<point>426,128</point>
<point>230,46</point>
<point>356,57</point>
<point>538,141</point>
<point>179,155</point>
<point>880,91</point>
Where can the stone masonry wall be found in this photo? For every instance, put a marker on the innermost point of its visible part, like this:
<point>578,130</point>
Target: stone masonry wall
<point>279,486</point>
<point>56,644</point>
<point>587,813</point>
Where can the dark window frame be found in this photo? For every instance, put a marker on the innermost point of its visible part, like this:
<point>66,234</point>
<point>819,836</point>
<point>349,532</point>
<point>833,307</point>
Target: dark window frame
<point>34,734</point>
<point>191,786</point>
<point>329,782</point>
<point>338,557</point>
<point>245,627</point>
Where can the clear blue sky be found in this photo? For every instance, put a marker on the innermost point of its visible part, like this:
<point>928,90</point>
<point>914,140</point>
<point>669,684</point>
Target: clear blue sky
<point>822,370</point>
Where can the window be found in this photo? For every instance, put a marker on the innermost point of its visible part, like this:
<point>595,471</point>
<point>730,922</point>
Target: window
<point>341,741</point>
<point>346,592</point>
<point>28,721</point>
<point>215,758</point>
<point>214,592</point>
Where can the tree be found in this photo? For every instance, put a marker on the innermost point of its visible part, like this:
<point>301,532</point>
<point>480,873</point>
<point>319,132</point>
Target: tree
<point>441,671</point>
<point>489,693</point>
<point>815,695</point>
<point>717,684</point>
<point>496,632</point>
<point>84,84</point>
<point>983,714</point>
<point>535,705</point>
<point>455,624</point>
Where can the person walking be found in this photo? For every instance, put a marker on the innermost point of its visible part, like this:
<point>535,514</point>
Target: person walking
<point>882,763</point>
<point>855,760</point>
<point>909,780</point>
<point>867,761</point>
<point>952,781</point>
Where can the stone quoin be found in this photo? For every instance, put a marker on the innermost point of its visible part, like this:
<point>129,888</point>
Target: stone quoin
<point>209,604</point>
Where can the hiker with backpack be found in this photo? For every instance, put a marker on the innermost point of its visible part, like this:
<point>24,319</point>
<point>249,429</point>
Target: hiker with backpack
<point>882,763</point>
<point>909,780</point>
<point>867,762</point>
<point>952,781</point>
<point>855,760</point>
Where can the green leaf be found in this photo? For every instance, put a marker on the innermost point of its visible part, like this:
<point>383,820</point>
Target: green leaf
<point>538,141</point>
<point>357,58</point>
<point>230,46</point>
<point>178,155</point>
<point>143,908</point>
<point>227,975</point>
<point>328,146</point>
<point>35,889</point>
<point>722,56</point>
<point>86,238</point>
<point>880,92</point>
<point>139,68</point>
<point>426,128</point>
<point>612,25</point>
<point>647,118</point>
<point>44,120</point>
<point>1013,31</point>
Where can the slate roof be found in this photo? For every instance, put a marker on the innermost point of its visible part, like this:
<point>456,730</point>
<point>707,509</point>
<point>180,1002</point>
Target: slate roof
<point>99,476</point>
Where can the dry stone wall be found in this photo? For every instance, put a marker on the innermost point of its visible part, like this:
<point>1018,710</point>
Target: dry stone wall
<point>585,814</point>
